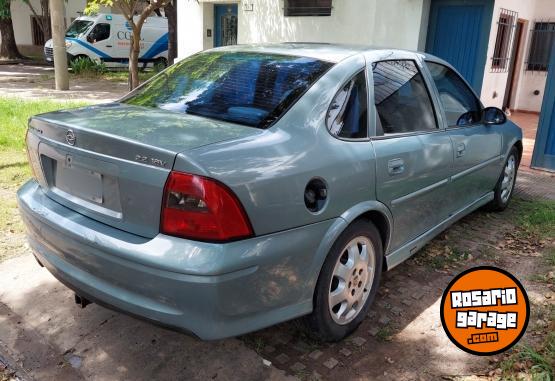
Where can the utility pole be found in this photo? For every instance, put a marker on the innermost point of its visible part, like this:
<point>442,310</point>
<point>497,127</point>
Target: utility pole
<point>57,16</point>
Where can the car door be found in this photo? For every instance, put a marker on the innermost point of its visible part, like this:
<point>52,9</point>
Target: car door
<point>477,146</point>
<point>414,156</point>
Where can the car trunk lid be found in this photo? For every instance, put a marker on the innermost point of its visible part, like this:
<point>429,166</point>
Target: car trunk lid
<point>110,162</point>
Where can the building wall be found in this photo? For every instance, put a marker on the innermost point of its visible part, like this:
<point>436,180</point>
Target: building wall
<point>395,23</point>
<point>21,17</point>
<point>494,86</point>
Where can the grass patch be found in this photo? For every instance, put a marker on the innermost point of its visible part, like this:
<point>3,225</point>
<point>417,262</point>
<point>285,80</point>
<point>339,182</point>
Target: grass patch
<point>14,168</point>
<point>536,217</point>
<point>122,76</point>
<point>384,334</point>
<point>14,116</point>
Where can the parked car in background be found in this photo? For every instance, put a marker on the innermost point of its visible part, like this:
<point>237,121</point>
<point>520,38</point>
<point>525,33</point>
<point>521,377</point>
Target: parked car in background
<point>107,37</point>
<point>248,185</point>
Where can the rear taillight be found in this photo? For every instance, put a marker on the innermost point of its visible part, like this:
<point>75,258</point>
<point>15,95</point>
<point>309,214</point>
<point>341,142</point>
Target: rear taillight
<point>201,208</point>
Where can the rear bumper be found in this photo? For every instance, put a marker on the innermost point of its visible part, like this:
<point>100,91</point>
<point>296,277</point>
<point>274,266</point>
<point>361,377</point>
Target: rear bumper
<point>211,290</point>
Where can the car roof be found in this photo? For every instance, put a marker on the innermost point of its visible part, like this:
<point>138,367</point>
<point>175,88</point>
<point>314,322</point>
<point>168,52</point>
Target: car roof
<point>322,51</point>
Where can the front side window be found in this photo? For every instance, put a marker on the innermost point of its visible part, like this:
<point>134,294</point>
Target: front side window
<point>253,89</point>
<point>348,113</point>
<point>461,106</point>
<point>401,98</point>
<point>77,28</point>
<point>99,33</point>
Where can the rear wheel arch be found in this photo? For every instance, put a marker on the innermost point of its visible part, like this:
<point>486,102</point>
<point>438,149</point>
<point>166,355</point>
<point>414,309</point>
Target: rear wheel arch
<point>381,222</point>
<point>519,147</point>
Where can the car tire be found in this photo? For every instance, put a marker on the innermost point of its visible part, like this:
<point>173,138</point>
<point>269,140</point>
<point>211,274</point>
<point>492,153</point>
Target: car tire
<point>505,185</point>
<point>353,295</point>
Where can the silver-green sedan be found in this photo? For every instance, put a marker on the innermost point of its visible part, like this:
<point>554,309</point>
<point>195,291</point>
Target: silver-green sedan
<point>249,185</point>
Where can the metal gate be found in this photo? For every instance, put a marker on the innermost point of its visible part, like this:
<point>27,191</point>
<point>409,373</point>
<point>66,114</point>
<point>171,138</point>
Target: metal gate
<point>225,24</point>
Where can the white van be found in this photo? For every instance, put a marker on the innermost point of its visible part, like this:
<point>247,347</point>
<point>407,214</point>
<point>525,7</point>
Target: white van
<point>107,38</point>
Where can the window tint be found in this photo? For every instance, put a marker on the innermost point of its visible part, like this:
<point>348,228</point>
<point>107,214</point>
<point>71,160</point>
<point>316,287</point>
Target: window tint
<point>401,97</point>
<point>253,89</point>
<point>100,32</point>
<point>460,104</point>
<point>347,115</point>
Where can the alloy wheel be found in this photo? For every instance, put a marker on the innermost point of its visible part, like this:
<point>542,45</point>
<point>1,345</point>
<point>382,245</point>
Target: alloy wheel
<point>352,279</point>
<point>508,179</point>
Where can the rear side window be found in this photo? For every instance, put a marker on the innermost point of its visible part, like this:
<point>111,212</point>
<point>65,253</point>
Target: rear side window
<point>347,115</point>
<point>253,89</point>
<point>401,98</point>
<point>461,106</point>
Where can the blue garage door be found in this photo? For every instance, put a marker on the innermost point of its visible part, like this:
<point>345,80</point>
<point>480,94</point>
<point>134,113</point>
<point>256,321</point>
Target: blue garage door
<point>458,32</point>
<point>544,149</point>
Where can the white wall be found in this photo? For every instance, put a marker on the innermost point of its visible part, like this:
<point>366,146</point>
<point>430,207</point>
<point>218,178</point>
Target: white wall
<point>393,23</point>
<point>526,82</point>
<point>21,17</point>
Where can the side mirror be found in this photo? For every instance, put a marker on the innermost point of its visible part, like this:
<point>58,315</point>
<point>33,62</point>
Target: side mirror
<point>493,115</point>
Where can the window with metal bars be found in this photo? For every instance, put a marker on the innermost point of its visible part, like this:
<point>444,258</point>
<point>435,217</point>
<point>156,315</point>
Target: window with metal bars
<point>541,43</point>
<point>307,7</point>
<point>504,41</point>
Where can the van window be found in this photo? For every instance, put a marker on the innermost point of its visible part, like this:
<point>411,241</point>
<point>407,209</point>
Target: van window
<point>348,113</point>
<point>401,97</point>
<point>77,28</point>
<point>100,32</point>
<point>254,89</point>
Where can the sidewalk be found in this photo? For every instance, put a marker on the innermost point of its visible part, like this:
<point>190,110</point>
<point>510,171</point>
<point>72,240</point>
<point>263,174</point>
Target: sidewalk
<point>35,82</point>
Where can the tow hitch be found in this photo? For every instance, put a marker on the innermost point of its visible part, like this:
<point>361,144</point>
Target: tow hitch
<point>83,302</point>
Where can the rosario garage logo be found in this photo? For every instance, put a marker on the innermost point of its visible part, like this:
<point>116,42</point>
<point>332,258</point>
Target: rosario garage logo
<point>484,310</point>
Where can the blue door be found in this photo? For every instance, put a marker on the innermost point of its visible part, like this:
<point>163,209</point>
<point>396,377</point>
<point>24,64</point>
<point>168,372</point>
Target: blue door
<point>458,32</point>
<point>544,149</point>
<point>225,24</point>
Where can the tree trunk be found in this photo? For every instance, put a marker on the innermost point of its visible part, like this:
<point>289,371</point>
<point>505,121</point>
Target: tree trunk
<point>134,59</point>
<point>8,48</point>
<point>45,20</point>
<point>170,11</point>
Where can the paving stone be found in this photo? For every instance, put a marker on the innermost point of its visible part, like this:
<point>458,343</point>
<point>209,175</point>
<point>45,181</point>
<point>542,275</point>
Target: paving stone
<point>406,302</point>
<point>417,294</point>
<point>315,355</point>
<point>298,367</point>
<point>358,341</point>
<point>282,358</point>
<point>384,320</point>
<point>331,363</point>
<point>373,331</point>
<point>301,346</point>
<point>269,349</point>
<point>315,376</point>
<point>397,311</point>
<point>345,352</point>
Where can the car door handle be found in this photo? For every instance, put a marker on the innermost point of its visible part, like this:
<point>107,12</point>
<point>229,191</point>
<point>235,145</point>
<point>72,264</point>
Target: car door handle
<point>461,149</point>
<point>395,166</point>
<point>108,46</point>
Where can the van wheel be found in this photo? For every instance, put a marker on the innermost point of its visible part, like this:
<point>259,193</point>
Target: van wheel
<point>348,282</point>
<point>506,183</point>
<point>161,63</point>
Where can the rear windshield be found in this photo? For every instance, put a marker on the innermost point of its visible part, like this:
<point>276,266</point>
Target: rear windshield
<point>252,89</point>
<point>77,28</point>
